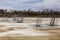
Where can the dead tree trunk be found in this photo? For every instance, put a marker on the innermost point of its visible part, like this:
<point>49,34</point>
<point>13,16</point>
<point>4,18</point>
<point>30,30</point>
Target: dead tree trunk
<point>52,23</point>
<point>14,18</point>
<point>21,18</point>
<point>7,18</point>
<point>37,25</point>
<point>38,21</point>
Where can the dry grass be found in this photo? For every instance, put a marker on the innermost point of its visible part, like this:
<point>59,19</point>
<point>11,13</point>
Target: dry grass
<point>46,29</point>
<point>16,28</point>
<point>55,36</point>
<point>53,31</point>
<point>3,28</point>
<point>50,37</point>
<point>22,38</point>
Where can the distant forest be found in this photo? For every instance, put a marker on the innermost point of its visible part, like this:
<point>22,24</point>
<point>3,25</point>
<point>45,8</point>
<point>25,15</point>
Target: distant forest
<point>29,13</point>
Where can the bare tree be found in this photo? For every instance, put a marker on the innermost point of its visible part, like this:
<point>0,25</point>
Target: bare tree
<point>14,17</point>
<point>52,23</point>
<point>39,19</point>
<point>21,17</point>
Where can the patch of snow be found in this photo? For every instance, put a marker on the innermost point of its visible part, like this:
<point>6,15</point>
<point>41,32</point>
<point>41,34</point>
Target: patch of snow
<point>25,32</point>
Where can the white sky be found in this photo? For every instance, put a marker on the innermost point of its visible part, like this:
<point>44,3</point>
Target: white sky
<point>30,4</point>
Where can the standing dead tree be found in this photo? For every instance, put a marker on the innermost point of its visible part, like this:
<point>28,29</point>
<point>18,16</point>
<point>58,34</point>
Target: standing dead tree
<point>21,19</point>
<point>16,17</point>
<point>52,23</point>
<point>39,19</point>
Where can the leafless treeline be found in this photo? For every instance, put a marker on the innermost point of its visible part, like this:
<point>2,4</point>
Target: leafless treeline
<point>29,13</point>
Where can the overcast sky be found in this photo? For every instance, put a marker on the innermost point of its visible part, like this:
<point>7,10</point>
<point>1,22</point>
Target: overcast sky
<point>30,4</point>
